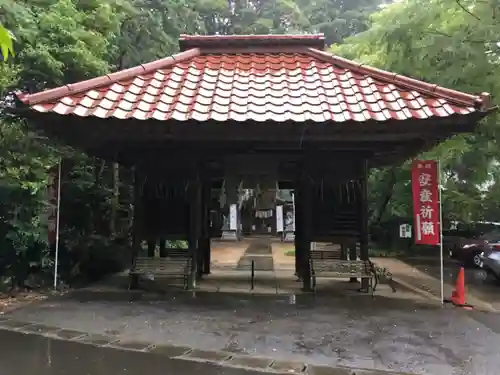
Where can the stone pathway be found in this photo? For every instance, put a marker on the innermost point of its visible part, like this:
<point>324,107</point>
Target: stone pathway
<point>259,252</point>
<point>280,257</point>
<point>227,254</point>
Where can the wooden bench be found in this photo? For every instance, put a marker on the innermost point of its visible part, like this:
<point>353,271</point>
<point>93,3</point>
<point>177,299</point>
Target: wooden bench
<point>325,254</point>
<point>176,266</point>
<point>175,252</point>
<point>337,268</point>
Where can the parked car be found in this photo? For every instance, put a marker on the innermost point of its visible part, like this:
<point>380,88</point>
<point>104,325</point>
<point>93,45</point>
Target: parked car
<point>453,238</point>
<point>491,261</point>
<point>467,246</point>
<point>470,251</point>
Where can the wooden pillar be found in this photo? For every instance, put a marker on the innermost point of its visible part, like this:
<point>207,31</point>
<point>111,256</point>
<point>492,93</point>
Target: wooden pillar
<point>163,249</point>
<point>343,251</point>
<point>307,212</point>
<point>194,192</point>
<point>298,229</point>
<point>136,224</point>
<point>151,247</point>
<point>353,255</point>
<point>201,252</point>
<point>205,233</point>
<point>304,231</point>
<point>363,213</point>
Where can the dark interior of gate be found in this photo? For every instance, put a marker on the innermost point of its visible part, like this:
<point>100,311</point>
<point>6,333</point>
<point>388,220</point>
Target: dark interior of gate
<point>236,112</point>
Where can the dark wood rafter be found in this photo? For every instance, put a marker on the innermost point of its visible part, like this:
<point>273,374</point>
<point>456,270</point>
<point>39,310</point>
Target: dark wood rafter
<point>173,153</point>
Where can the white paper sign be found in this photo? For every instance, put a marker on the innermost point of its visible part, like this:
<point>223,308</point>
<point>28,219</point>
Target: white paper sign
<point>405,231</point>
<point>279,219</point>
<point>233,217</point>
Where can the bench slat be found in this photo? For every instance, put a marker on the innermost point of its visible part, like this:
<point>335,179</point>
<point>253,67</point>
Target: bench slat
<point>179,266</point>
<point>340,268</point>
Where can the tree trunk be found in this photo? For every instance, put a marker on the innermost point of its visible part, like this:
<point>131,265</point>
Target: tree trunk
<point>389,191</point>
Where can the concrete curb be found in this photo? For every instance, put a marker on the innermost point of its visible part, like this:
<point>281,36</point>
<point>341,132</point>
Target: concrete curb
<point>417,290</point>
<point>219,358</point>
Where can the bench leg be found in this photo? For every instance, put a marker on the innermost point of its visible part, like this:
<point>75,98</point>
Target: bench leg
<point>191,282</point>
<point>365,285</point>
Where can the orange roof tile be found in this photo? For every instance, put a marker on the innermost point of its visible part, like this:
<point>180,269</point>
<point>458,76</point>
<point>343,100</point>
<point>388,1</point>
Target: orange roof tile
<point>255,78</point>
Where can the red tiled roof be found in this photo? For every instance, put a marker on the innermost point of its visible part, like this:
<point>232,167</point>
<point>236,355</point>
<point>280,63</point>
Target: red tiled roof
<point>255,78</point>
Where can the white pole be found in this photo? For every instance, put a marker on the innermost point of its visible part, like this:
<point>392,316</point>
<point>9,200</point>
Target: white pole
<point>293,213</point>
<point>56,257</point>
<point>440,230</point>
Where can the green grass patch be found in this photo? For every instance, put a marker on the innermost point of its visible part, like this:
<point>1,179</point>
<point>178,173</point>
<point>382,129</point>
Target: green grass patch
<point>290,253</point>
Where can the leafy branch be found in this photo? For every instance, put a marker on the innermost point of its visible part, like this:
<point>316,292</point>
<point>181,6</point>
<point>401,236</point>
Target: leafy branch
<point>6,43</point>
<point>467,10</point>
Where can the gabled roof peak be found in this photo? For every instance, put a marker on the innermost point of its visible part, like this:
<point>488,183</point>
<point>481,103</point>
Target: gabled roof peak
<point>242,78</point>
<point>207,42</point>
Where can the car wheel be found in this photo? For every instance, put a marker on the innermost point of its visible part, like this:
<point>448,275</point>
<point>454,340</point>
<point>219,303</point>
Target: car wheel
<point>477,261</point>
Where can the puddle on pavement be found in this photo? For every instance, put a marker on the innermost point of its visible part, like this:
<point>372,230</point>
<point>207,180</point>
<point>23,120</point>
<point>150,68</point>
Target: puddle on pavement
<point>40,329</point>
<point>14,324</point>
<point>34,354</point>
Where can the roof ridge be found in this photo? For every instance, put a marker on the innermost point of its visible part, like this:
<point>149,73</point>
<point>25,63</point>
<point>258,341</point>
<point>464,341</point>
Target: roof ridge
<point>107,79</point>
<point>207,42</point>
<point>481,101</point>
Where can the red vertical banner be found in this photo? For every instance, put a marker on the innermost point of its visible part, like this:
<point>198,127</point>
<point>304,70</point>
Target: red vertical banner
<point>53,194</point>
<point>426,206</point>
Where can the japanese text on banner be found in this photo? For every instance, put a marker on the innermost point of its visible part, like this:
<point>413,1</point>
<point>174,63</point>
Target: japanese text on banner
<point>426,202</point>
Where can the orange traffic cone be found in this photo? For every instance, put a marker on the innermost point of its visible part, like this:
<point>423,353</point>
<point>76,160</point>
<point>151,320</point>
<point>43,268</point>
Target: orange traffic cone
<point>458,295</point>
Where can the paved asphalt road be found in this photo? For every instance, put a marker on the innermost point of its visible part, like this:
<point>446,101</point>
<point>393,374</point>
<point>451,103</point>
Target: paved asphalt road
<point>22,354</point>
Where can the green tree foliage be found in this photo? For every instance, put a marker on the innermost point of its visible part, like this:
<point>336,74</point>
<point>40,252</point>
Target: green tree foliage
<point>63,41</point>
<point>57,42</point>
<point>6,43</point>
<point>454,44</point>
<point>338,19</point>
